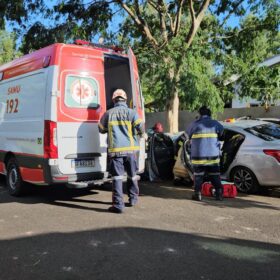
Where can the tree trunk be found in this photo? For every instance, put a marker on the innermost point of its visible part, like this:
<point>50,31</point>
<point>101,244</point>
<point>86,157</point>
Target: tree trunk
<point>172,103</point>
<point>173,112</point>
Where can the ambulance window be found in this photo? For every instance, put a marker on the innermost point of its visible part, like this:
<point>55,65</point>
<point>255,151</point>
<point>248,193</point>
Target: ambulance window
<point>81,92</point>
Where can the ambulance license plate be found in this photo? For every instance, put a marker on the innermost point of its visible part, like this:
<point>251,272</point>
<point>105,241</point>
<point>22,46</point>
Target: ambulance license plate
<point>82,163</point>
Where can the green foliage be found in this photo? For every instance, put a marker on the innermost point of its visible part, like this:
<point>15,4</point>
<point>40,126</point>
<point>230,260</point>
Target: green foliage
<point>7,47</point>
<point>196,84</point>
<point>39,36</point>
<point>17,11</point>
<point>243,52</point>
<point>69,20</point>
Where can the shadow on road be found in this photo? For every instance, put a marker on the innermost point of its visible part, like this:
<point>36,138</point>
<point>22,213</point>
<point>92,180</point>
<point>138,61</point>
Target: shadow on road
<point>136,253</point>
<point>167,190</point>
<point>60,195</point>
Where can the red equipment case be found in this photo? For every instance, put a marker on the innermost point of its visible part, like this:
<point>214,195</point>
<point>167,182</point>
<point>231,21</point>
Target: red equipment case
<point>229,189</point>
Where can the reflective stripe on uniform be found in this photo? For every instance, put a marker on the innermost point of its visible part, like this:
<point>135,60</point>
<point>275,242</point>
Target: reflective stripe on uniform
<point>123,149</point>
<point>205,161</point>
<point>117,177</point>
<point>127,123</point>
<point>110,134</point>
<point>133,178</point>
<point>198,173</point>
<point>121,123</point>
<point>204,135</point>
<point>214,173</point>
<point>137,122</point>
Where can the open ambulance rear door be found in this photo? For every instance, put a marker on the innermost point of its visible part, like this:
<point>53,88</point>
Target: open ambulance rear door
<point>138,103</point>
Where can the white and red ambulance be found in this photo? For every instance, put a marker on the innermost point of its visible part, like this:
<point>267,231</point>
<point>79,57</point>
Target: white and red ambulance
<point>50,103</point>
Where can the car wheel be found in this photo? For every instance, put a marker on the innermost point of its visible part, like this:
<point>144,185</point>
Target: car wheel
<point>245,180</point>
<point>13,179</point>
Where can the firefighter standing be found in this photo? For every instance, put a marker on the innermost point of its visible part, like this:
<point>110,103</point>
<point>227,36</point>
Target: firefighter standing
<point>205,152</point>
<point>123,127</point>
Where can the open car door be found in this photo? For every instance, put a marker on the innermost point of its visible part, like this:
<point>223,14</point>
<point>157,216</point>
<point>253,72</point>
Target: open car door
<point>231,145</point>
<point>169,155</point>
<point>163,152</point>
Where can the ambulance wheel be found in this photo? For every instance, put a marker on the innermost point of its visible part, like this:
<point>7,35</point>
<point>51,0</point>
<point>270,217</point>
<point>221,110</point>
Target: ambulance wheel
<point>13,179</point>
<point>245,180</point>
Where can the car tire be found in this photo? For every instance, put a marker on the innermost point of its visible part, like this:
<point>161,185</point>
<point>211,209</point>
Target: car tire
<point>245,180</point>
<point>13,179</point>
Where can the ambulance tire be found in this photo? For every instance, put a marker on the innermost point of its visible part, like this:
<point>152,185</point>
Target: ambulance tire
<point>13,179</point>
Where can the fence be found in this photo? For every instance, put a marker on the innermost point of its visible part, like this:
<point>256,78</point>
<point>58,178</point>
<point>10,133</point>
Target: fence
<point>185,117</point>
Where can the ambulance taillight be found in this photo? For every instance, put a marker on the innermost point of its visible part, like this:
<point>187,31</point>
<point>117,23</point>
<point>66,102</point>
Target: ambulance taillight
<point>50,140</point>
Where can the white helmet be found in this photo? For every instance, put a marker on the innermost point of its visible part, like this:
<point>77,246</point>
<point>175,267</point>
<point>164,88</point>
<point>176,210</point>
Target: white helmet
<point>119,93</point>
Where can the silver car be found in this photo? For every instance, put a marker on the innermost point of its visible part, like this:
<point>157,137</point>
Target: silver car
<point>251,154</point>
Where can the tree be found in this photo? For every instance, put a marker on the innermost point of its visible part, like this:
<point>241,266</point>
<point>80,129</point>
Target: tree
<point>17,11</point>
<point>243,51</point>
<point>8,50</point>
<point>196,82</point>
<point>170,17</point>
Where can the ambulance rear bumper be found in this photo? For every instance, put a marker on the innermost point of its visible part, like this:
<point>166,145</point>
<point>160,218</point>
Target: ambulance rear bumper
<point>57,177</point>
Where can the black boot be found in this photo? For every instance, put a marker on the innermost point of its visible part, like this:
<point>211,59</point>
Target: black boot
<point>219,195</point>
<point>113,209</point>
<point>196,196</point>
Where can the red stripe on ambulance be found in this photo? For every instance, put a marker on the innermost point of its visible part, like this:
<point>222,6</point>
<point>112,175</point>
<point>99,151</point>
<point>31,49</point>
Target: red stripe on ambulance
<point>32,175</point>
<point>2,167</point>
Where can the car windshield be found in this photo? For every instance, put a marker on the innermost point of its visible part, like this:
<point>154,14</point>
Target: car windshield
<point>267,132</point>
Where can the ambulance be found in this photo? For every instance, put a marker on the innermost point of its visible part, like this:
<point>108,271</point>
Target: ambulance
<point>50,104</point>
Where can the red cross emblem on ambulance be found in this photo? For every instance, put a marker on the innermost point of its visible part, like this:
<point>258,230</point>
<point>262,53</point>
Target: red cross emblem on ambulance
<point>82,91</point>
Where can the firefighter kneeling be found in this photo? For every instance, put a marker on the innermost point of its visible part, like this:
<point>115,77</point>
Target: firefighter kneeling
<point>123,127</point>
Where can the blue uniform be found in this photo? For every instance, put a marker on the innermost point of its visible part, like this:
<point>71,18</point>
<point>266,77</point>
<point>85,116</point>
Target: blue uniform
<point>205,151</point>
<point>205,146</point>
<point>123,127</point>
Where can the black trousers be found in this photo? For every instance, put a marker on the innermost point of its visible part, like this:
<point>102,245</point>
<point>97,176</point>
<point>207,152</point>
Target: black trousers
<point>118,165</point>
<point>213,173</point>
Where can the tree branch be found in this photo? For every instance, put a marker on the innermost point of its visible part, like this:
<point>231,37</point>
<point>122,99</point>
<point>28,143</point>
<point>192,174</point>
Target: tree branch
<point>234,8</point>
<point>162,14</point>
<point>235,34</point>
<point>192,11</point>
<point>196,20</point>
<point>152,4</point>
<point>139,21</point>
<point>155,6</point>
<point>172,27</point>
<point>178,17</point>
<point>202,10</point>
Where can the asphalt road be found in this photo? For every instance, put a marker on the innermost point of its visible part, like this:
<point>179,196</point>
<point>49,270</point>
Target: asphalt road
<point>58,233</point>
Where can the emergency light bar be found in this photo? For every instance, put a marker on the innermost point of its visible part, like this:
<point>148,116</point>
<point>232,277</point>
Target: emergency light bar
<point>87,43</point>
